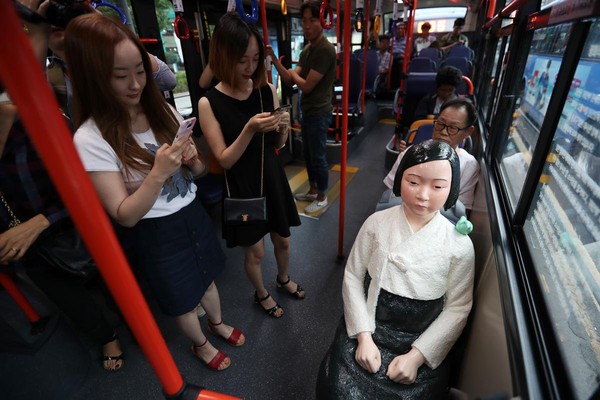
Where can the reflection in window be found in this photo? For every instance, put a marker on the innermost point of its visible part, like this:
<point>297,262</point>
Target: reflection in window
<point>563,230</point>
<point>541,69</point>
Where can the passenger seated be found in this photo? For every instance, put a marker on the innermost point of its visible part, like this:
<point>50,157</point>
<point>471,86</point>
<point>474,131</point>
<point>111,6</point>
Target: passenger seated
<point>407,290</point>
<point>454,124</point>
<point>446,81</point>
<point>455,37</point>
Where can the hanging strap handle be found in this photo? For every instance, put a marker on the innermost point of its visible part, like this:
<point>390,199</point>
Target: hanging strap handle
<point>248,18</point>
<point>262,157</point>
<point>326,12</point>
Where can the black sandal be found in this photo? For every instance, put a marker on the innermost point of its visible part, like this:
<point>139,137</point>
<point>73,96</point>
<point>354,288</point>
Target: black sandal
<point>271,311</point>
<point>116,359</point>
<point>298,294</point>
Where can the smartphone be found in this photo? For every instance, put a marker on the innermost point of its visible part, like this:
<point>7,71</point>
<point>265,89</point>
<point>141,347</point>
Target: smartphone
<point>281,109</point>
<point>185,129</point>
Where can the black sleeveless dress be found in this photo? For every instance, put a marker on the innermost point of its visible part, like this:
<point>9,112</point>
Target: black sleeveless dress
<point>244,177</point>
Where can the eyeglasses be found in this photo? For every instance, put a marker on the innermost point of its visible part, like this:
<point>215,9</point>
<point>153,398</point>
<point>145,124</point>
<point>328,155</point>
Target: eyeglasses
<point>452,130</point>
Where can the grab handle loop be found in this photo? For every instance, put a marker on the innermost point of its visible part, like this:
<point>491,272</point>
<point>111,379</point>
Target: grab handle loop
<point>98,4</point>
<point>325,14</point>
<point>249,19</point>
<point>180,21</point>
<point>283,7</point>
<point>358,20</point>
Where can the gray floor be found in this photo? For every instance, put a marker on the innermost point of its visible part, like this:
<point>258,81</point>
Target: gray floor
<point>280,359</point>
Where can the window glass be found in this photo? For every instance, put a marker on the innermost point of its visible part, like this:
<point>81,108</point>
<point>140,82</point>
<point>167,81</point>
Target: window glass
<point>488,79</point>
<point>535,89</point>
<point>563,226</point>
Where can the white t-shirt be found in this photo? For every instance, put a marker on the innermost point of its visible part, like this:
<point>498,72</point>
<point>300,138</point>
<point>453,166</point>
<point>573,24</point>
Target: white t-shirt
<point>98,156</point>
<point>469,174</point>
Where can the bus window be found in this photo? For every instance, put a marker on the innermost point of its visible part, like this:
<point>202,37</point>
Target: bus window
<point>534,94</point>
<point>562,229</point>
<point>487,80</point>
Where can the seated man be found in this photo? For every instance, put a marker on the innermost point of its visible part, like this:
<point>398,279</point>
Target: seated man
<point>383,63</point>
<point>454,124</point>
<point>425,39</point>
<point>455,37</point>
<point>446,81</point>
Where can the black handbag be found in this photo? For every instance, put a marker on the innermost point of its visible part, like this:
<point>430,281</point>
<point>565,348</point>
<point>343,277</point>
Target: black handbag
<point>60,246</point>
<point>65,250</point>
<point>247,211</point>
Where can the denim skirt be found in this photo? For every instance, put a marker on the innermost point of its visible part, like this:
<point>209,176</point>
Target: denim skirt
<point>179,256</point>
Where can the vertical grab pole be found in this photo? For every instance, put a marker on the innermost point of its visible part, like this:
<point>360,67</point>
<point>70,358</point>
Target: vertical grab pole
<point>366,29</point>
<point>345,83</point>
<point>14,292</point>
<point>22,76</point>
<point>263,20</point>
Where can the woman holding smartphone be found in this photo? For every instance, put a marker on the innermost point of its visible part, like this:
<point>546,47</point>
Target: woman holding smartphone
<point>124,129</point>
<point>243,135</point>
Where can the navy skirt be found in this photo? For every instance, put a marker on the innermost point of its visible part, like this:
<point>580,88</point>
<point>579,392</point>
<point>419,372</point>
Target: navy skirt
<point>179,256</point>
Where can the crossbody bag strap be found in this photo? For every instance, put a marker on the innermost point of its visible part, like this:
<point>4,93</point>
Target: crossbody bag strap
<point>14,221</point>
<point>262,157</point>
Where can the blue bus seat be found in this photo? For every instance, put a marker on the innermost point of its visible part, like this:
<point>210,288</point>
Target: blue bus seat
<point>461,51</point>
<point>432,53</point>
<point>422,133</point>
<point>465,66</point>
<point>422,64</point>
<point>418,85</point>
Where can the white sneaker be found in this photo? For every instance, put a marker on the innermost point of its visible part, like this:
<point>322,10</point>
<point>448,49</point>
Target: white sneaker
<point>306,196</point>
<point>316,205</point>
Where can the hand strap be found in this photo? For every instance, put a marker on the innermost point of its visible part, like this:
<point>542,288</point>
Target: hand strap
<point>262,156</point>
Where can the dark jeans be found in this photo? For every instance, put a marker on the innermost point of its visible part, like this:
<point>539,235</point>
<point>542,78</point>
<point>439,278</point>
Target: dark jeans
<point>314,139</point>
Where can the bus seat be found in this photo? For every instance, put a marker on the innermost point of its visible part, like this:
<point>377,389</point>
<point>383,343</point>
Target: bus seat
<point>415,125</point>
<point>461,51</point>
<point>422,64</point>
<point>372,67</point>
<point>355,86</point>
<point>465,66</point>
<point>432,53</point>
<point>467,145</point>
<point>418,84</point>
<point>422,133</point>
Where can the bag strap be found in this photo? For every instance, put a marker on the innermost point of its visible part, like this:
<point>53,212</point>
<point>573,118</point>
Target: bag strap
<point>14,220</point>
<point>262,158</point>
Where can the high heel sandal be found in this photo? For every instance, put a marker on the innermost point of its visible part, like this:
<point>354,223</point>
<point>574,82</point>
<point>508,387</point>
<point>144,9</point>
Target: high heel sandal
<point>298,294</point>
<point>106,357</point>
<point>217,360</point>
<point>271,311</point>
<point>236,338</point>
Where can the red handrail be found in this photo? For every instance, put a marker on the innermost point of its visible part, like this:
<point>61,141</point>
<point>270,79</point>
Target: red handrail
<point>263,17</point>
<point>469,83</point>
<point>505,12</point>
<point>14,292</point>
<point>24,79</point>
<point>345,83</point>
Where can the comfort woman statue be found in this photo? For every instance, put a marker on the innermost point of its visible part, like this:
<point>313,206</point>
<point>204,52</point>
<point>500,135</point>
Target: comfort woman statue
<point>407,289</point>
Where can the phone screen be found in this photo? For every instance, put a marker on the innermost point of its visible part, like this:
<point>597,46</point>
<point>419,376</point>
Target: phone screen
<point>185,129</point>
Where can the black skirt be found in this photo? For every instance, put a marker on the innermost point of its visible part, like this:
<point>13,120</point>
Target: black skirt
<point>398,323</point>
<point>179,256</point>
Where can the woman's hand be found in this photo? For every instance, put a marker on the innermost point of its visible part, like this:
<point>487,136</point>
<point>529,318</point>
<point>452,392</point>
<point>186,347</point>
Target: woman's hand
<point>403,369</point>
<point>270,52</point>
<point>168,159</point>
<point>284,123</point>
<point>15,242</point>
<point>190,153</point>
<point>263,122</point>
<point>367,354</point>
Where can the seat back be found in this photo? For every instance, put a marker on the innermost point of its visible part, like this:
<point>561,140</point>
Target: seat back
<point>461,51</point>
<point>422,64</point>
<point>465,66</point>
<point>355,84</point>
<point>422,133</point>
<point>372,67</point>
<point>432,53</point>
<point>418,84</point>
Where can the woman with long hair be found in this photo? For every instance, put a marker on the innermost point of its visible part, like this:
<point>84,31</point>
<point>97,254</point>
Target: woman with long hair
<point>125,134</point>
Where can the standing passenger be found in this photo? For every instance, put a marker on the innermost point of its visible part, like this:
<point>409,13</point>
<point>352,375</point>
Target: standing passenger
<point>314,75</point>
<point>124,131</point>
<point>243,136</point>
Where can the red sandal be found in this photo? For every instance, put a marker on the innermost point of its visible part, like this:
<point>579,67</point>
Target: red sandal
<point>236,338</point>
<point>215,363</point>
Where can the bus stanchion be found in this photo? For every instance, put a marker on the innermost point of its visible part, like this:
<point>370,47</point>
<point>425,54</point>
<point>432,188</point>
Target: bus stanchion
<point>37,323</point>
<point>24,79</point>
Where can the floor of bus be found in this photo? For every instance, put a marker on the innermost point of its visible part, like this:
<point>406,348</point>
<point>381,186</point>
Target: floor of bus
<point>281,357</point>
